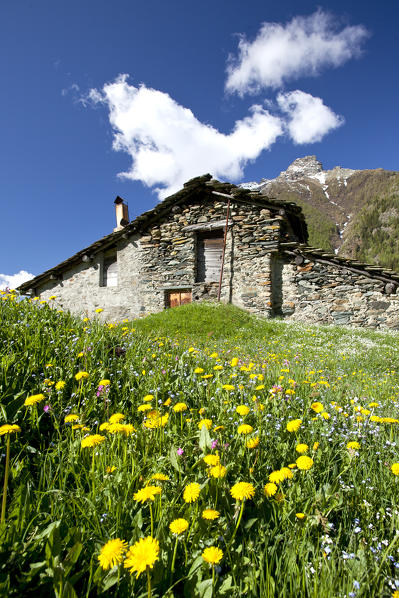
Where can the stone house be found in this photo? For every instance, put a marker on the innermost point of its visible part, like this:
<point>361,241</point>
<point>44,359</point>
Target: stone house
<point>214,239</point>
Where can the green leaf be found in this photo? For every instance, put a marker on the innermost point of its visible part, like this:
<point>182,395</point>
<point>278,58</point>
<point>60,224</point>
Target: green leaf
<point>226,585</point>
<point>204,588</point>
<point>68,591</point>
<point>250,523</point>
<point>110,580</point>
<point>173,459</point>
<point>196,564</point>
<point>72,557</point>
<point>205,439</point>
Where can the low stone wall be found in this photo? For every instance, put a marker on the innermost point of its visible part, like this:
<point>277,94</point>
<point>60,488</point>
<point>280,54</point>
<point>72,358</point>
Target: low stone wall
<point>323,293</point>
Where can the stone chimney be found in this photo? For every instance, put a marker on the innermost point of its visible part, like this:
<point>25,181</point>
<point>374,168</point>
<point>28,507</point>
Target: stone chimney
<point>121,213</point>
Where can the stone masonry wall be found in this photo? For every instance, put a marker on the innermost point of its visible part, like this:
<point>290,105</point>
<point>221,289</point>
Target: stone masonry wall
<point>163,258</point>
<point>322,293</point>
<point>168,256</point>
<point>80,289</point>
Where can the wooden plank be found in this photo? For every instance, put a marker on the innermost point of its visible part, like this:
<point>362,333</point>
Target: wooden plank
<point>209,257</point>
<point>174,299</point>
<point>185,297</point>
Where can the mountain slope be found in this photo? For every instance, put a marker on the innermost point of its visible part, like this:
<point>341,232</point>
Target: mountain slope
<point>352,212</point>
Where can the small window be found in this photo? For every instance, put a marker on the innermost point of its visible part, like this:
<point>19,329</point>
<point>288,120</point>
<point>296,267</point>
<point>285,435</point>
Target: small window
<point>209,256</point>
<point>178,297</point>
<point>110,272</point>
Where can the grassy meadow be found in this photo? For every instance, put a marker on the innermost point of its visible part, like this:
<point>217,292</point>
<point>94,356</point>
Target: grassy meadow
<point>197,452</point>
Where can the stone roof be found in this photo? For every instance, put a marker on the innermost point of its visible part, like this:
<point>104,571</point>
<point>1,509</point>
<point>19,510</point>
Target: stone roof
<point>190,190</point>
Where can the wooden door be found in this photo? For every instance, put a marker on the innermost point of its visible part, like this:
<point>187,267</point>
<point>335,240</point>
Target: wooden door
<point>209,257</point>
<point>176,298</point>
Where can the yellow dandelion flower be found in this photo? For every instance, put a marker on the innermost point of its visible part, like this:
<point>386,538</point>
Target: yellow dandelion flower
<point>242,410</point>
<point>60,385</point>
<point>32,400</point>
<point>228,387</point>
<point>242,491</point>
<point>252,442</point>
<point>212,460</point>
<point>191,492</point>
<point>144,407</point>
<point>218,428</point>
<point>301,448</point>
<point>219,471</point>
<point>325,415</point>
<point>210,514</point>
<point>110,469</point>
<point>160,477</point>
<point>78,427</point>
<point>71,418</point>
<point>276,477</point>
<point>179,407</point>
<point>205,422</point>
<point>294,425</point>
<point>304,462</point>
<point>146,493</point>
<point>116,418</point>
<point>111,554</point>
<point>234,362</point>
<point>353,446</point>
<point>81,375</point>
<point>148,398</point>
<point>270,489</point>
<point>99,310</point>
<point>178,526</point>
<point>104,382</point>
<point>218,367</point>
<point>287,473</point>
<point>395,468</point>
<point>156,421</point>
<point>245,429</point>
<point>92,441</point>
<point>199,371</point>
<point>9,429</point>
<point>141,555</point>
<point>212,555</point>
<point>316,446</point>
<point>126,429</point>
<point>300,516</point>
<point>317,407</point>
<point>167,402</point>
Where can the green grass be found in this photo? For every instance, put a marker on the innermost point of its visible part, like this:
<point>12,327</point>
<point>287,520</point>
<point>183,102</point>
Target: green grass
<point>63,504</point>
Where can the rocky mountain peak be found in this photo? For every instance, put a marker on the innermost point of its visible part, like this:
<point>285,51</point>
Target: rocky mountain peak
<point>308,166</point>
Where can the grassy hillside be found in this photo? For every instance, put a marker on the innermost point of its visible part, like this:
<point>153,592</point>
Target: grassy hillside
<point>198,452</point>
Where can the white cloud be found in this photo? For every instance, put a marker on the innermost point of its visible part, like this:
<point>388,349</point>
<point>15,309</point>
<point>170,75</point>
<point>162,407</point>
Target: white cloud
<point>169,145</point>
<point>12,281</point>
<point>300,48</point>
<point>309,119</point>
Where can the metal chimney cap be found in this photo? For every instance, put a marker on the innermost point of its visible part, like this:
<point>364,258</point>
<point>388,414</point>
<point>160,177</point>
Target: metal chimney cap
<point>119,200</point>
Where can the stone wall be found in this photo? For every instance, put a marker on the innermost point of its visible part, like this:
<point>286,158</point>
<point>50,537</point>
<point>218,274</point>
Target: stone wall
<point>80,289</point>
<point>168,255</point>
<point>163,258</point>
<point>319,292</point>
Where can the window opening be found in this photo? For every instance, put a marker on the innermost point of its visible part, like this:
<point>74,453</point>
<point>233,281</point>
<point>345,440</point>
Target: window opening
<point>110,272</point>
<point>209,256</point>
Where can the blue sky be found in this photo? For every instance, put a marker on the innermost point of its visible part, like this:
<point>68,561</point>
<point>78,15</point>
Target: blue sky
<point>236,89</point>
